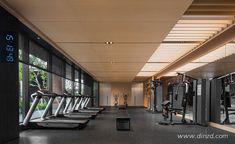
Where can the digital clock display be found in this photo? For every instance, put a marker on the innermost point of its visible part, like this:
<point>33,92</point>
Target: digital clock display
<point>7,47</point>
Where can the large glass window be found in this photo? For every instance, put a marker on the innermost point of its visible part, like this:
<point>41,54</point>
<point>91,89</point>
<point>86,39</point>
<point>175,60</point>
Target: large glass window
<point>37,71</point>
<point>57,87</point>
<point>82,84</point>
<point>38,78</point>
<point>76,83</point>
<point>68,80</point>
<point>88,91</point>
<point>21,92</point>
<point>21,45</point>
<point>57,80</point>
<point>57,66</point>
<point>38,56</point>
<point>86,84</point>
<point>68,86</point>
<point>68,71</point>
<point>82,89</point>
<point>20,54</point>
<point>96,93</point>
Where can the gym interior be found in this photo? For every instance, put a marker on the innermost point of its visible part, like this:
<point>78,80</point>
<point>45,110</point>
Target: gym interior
<point>117,71</point>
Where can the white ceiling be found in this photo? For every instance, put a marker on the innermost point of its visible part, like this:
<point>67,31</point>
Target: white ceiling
<point>81,28</point>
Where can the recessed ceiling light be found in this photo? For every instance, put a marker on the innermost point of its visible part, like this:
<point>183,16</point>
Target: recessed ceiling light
<point>38,38</point>
<point>109,43</point>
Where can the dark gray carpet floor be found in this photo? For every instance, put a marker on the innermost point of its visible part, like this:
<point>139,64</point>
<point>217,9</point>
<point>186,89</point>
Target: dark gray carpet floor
<point>145,130</point>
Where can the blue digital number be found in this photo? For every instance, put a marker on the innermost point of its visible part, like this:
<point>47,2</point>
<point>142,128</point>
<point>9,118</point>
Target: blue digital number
<point>10,58</point>
<point>9,37</point>
<point>9,48</point>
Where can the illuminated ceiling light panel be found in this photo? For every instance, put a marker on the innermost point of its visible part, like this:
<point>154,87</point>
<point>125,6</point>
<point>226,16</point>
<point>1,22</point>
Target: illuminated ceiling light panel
<point>170,52</point>
<point>171,74</point>
<point>211,25</point>
<point>184,40</point>
<point>192,32</point>
<point>205,21</point>
<point>146,74</point>
<point>154,66</point>
<point>200,29</point>
<point>189,67</point>
<point>189,35</point>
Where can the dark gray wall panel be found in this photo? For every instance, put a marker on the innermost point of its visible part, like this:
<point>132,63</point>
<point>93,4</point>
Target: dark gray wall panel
<point>9,84</point>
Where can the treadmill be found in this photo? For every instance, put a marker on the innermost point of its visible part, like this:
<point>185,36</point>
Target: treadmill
<point>100,109</point>
<point>76,108</point>
<point>57,114</point>
<point>46,122</point>
<point>83,101</point>
<point>73,112</point>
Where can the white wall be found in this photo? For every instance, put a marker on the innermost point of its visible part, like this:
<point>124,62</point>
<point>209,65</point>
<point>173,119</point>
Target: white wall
<point>105,94</point>
<point>133,90</point>
<point>137,94</point>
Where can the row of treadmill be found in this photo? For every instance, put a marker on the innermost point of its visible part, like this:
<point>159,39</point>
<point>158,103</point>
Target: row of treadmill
<point>72,112</point>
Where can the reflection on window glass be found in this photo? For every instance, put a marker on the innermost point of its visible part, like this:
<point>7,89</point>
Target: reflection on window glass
<point>82,89</point>
<point>20,54</point>
<point>95,93</point>
<point>57,66</point>
<point>86,90</point>
<point>95,89</point>
<point>21,46</point>
<point>227,103</point>
<point>76,88</point>
<point>68,86</point>
<point>57,87</point>
<point>20,92</point>
<point>82,78</point>
<point>57,84</point>
<point>38,56</point>
<point>89,91</point>
<point>37,61</point>
<point>76,76</point>
<point>38,79</point>
<point>76,83</point>
<point>68,71</point>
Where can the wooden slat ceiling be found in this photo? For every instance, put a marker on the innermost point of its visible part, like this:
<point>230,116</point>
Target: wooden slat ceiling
<point>212,7</point>
<point>81,27</point>
<point>189,33</point>
<point>220,61</point>
<point>213,13</point>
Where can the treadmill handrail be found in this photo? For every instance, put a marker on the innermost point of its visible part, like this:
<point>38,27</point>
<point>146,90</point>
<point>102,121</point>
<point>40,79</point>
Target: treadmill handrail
<point>87,96</point>
<point>41,93</point>
<point>48,94</point>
